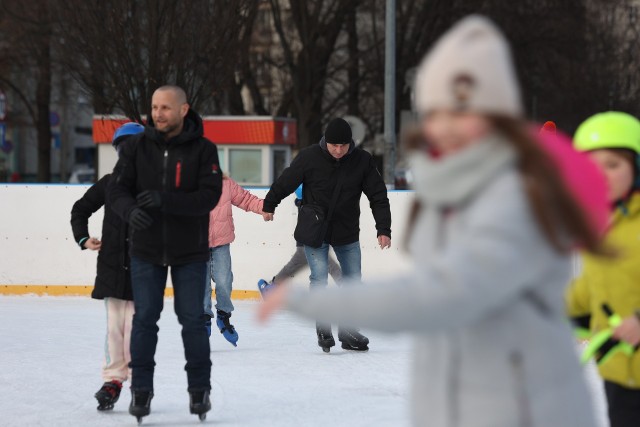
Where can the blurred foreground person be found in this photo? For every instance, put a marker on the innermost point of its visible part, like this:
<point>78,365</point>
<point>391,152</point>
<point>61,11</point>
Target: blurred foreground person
<point>491,234</point>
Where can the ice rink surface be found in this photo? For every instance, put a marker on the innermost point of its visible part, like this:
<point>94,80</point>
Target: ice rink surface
<point>51,355</point>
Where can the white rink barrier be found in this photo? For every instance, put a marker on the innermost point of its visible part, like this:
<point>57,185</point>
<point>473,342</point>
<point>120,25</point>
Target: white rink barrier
<point>39,255</point>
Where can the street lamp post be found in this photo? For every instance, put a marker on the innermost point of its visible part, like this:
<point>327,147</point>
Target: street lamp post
<point>390,93</point>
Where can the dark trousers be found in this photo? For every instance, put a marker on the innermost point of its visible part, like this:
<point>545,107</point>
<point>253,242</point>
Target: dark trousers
<point>624,405</point>
<point>148,282</point>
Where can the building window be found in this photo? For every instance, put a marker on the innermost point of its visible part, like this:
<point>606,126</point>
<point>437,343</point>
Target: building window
<point>221,159</point>
<point>85,156</point>
<point>279,163</point>
<point>245,166</point>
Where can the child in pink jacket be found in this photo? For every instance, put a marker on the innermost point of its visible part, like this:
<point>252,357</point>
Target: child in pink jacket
<point>221,235</point>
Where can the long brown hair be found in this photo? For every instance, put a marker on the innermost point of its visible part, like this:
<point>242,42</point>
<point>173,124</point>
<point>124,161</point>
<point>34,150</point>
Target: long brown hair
<point>558,214</point>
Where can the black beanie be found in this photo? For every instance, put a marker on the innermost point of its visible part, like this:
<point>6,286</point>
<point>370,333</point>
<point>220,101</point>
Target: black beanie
<point>338,132</point>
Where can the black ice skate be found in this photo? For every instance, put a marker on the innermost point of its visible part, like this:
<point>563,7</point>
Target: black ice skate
<point>140,404</point>
<point>108,395</point>
<point>325,337</point>
<point>352,340</point>
<point>199,403</point>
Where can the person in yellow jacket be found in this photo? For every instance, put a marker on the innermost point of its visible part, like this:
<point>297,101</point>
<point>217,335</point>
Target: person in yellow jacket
<point>609,287</point>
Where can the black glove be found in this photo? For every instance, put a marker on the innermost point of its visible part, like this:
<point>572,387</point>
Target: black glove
<point>149,199</point>
<point>139,219</point>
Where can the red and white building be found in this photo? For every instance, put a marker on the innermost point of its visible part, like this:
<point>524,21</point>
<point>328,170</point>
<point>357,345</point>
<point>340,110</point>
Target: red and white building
<point>253,150</point>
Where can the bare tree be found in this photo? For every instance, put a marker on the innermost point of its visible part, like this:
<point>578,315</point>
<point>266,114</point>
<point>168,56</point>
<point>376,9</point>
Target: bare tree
<point>612,44</point>
<point>418,24</point>
<point>308,32</point>
<point>122,50</point>
<point>27,51</point>
<point>549,40</point>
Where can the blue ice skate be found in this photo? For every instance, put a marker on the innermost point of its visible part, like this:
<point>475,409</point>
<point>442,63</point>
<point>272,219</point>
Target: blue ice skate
<point>264,286</point>
<point>226,328</point>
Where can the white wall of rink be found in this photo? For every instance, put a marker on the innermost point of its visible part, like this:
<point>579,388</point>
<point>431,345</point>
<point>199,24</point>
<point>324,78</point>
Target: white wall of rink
<point>37,245</point>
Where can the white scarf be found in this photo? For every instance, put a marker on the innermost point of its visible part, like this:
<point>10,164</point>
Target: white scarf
<point>450,182</point>
<point>453,180</point>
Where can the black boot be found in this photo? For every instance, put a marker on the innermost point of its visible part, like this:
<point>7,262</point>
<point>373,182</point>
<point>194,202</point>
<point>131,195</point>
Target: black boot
<point>325,337</point>
<point>108,395</point>
<point>351,339</point>
<point>199,403</point>
<point>140,403</point>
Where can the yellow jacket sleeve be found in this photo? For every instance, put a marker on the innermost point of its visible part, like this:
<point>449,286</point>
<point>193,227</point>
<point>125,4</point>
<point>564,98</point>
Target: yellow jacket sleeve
<point>577,298</point>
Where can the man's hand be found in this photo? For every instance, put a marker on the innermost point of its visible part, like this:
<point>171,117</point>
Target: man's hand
<point>384,241</point>
<point>629,331</point>
<point>149,199</point>
<point>139,219</point>
<point>92,243</point>
<point>267,216</point>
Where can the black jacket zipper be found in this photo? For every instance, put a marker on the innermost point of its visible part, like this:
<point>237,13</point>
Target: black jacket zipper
<point>165,162</point>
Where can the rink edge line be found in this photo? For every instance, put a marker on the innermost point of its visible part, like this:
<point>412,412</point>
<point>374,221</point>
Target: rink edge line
<point>80,290</point>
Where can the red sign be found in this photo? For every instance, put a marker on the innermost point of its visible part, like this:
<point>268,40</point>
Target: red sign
<point>219,129</point>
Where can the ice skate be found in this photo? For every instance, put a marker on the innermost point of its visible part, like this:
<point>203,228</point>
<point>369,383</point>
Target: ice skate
<point>140,404</point>
<point>200,403</point>
<point>108,395</point>
<point>264,286</point>
<point>352,340</point>
<point>325,337</point>
<point>207,324</point>
<point>227,330</point>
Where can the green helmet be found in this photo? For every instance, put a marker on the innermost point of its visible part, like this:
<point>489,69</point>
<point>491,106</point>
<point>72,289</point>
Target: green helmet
<point>612,129</point>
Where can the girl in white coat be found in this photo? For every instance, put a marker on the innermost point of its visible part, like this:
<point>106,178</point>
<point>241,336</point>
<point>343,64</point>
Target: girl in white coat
<point>491,233</point>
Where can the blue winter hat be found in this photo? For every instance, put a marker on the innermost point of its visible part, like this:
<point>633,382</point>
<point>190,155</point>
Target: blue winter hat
<point>127,129</point>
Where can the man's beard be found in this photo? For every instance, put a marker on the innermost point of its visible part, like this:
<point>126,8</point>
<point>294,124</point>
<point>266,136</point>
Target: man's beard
<point>168,129</point>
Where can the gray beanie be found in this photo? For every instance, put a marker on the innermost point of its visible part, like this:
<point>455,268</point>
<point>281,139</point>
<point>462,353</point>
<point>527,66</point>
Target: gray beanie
<point>469,69</point>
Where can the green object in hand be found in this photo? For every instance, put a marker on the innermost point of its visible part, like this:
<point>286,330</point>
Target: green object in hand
<point>595,342</point>
<point>603,339</point>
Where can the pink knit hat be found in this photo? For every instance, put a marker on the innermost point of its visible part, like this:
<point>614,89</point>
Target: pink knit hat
<point>581,176</point>
<point>469,69</point>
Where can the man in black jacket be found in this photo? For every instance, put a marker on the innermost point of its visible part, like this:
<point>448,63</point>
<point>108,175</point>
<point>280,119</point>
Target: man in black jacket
<point>164,185</point>
<point>320,168</point>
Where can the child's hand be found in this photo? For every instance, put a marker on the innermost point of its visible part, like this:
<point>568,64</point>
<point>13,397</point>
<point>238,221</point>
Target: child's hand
<point>93,244</point>
<point>629,331</point>
<point>274,300</point>
<point>267,216</point>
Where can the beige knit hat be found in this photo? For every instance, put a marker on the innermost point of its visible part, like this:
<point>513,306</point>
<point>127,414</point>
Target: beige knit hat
<point>469,69</point>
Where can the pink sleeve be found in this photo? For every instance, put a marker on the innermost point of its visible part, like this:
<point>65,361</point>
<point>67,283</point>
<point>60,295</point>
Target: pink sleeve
<point>244,199</point>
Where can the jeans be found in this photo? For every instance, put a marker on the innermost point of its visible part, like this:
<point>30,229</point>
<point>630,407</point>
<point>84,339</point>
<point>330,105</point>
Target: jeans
<point>299,261</point>
<point>219,268</point>
<point>349,257</point>
<point>148,282</point>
